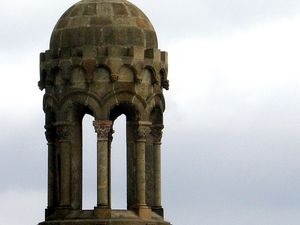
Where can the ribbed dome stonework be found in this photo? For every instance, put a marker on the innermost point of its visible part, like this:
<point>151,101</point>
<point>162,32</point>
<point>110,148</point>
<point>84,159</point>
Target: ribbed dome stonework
<point>103,23</point>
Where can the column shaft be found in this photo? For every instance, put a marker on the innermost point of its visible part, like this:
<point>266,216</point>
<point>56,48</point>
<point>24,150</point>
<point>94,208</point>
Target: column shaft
<point>102,174</point>
<point>141,137</point>
<point>157,135</point>
<point>102,128</point>
<point>141,173</point>
<point>110,139</point>
<point>65,174</point>
<point>51,174</point>
<point>50,136</point>
<point>63,131</point>
<point>157,174</point>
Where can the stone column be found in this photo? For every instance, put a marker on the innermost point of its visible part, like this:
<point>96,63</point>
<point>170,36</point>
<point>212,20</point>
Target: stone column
<point>141,136</point>
<point>63,131</point>
<point>110,139</point>
<point>50,136</point>
<point>103,129</point>
<point>156,132</point>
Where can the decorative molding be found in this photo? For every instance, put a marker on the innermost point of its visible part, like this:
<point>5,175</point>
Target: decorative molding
<point>110,135</point>
<point>66,59</point>
<point>63,133</point>
<point>103,128</point>
<point>50,134</point>
<point>165,84</point>
<point>114,77</point>
<point>156,132</point>
<point>142,131</point>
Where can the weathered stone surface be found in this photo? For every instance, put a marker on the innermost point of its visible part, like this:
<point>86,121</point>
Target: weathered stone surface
<point>104,61</point>
<point>120,22</point>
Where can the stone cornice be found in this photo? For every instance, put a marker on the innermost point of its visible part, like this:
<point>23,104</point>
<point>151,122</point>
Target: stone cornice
<point>111,58</point>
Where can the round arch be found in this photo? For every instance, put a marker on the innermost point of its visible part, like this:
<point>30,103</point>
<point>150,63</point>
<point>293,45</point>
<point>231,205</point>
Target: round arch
<point>123,98</point>
<point>86,102</point>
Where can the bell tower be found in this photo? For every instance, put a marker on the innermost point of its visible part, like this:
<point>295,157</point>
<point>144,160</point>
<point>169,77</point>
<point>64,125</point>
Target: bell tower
<point>104,61</point>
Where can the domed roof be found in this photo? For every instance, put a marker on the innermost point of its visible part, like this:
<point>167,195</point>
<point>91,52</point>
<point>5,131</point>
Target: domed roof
<point>103,23</point>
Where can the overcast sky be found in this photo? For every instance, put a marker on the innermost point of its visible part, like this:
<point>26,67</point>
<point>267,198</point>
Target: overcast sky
<point>231,145</point>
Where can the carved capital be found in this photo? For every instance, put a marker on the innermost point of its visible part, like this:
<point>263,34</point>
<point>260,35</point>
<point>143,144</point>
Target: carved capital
<point>63,132</point>
<point>114,77</point>
<point>50,134</point>
<point>142,131</point>
<point>156,132</point>
<point>110,135</point>
<point>138,80</point>
<point>165,84</point>
<point>103,128</point>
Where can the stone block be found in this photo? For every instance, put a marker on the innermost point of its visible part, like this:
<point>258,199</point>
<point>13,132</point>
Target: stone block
<point>144,212</point>
<point>119,9</point>
<point>164,57</point>
<point>137,52</point>
<point>152,54</point>
<point>116,51</point>
<point>102,213</point>
<point>90,9</point>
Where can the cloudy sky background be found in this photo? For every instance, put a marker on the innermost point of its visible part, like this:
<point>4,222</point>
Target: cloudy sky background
<point>231,145</point>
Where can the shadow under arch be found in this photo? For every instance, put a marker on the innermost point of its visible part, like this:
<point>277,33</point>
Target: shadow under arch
<point>132,115</point>
<point>128,109</point>
<point>79,110</point>
<point>72,111</point>
<point>86,101</point>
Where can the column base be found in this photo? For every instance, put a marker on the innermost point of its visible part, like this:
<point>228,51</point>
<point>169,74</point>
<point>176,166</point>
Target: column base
<point>118,217</point>
<point>58,212</point>
<point>158,210</point>
<point>102,212</point>
<point>143,211</point>
<point>49,211</point>
<point>103,222</point>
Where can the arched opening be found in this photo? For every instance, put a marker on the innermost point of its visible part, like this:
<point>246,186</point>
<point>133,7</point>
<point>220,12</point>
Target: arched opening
<point>124,115</point>
<point>118,162</point>
<point>89,154</point>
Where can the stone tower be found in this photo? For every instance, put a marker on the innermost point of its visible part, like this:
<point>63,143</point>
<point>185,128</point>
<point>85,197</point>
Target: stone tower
<point>104,61</point>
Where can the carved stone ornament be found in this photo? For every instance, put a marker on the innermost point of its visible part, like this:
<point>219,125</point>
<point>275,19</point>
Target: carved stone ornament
<point>142,132</point>
<point>63,132</point>
<point>138,80</point>
<point>165,84</point>
<point>114,77</point>
<point>110,135</point>
<point>50,135</point>
<point>156,132</point>
<point>103,128</point>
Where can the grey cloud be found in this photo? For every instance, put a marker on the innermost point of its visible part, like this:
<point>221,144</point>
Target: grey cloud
<point>218,168</point>
<point>28,24</point>
<point>177,19</point>
<point>250,166</point>
<point>23,154</point>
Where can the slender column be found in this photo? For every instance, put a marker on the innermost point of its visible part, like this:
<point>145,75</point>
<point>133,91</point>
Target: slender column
<point>156,132</point>
<point>63,131</point>
<point>110,139</point>
<point>102,128</point>
<point>141,135</point>
<point>76,165</point>
<point>50,136</point>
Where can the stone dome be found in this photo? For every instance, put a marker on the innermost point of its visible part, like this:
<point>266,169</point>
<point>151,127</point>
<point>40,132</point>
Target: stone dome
<point>103,23</point>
